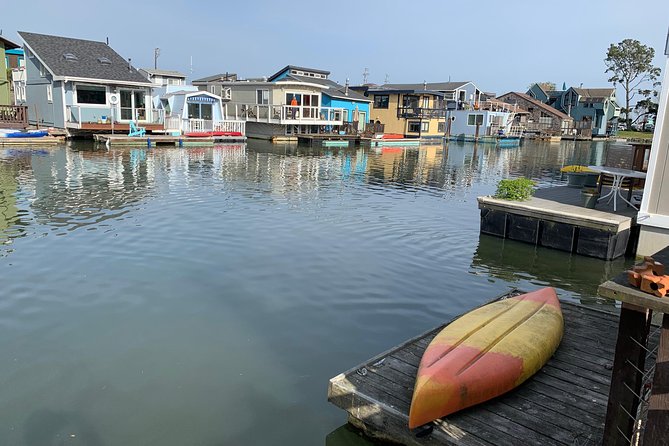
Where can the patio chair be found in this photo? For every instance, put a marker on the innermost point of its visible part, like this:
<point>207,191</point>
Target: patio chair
<point>136,131</point>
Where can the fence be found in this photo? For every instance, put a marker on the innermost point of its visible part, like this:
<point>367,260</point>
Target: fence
<point>14,116</point>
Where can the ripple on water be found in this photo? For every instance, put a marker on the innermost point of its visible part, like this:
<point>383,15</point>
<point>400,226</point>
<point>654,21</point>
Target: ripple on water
<point>236,280</point>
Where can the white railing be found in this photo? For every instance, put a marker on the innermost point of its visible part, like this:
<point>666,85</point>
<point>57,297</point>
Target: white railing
<point>284,114</point>
<point>80,114</point>
<point>173,123</point>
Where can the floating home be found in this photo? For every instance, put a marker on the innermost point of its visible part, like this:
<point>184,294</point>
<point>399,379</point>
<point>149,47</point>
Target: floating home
<point>294,101</point>
<point>81,86</point>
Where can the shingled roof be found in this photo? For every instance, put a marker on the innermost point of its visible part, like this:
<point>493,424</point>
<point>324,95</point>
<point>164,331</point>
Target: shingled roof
<point>434,86</point>
<point>9,45</point>
<point>594,93</point>
<point>545,107</point>
<point>65,57</point>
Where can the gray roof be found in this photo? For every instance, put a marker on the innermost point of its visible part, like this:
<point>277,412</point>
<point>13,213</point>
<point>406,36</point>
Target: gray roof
<point>537,103</point>
<point>50,50</point>
<point>595,93</point>
<point>220,77</point>
<point>436,86</point>
<point>171,73</point>
<point>334,90</point>
<point>9,45</point>
<point>295,67</point>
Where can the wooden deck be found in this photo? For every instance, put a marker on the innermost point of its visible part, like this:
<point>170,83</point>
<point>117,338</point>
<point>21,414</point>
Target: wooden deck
<point>159,140</point>
<point>563,404</point>
<point>33,142</point>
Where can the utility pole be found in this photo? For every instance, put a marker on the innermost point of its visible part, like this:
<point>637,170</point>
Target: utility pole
<point>156,53</point>
<point>365,76</point>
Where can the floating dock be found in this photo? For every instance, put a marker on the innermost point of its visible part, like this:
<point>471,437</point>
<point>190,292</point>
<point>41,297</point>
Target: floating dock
<point>164,140</point>
<point>563,404</point>
<point>554,218</point>
<point>43,141</point>
<point>330,140</point>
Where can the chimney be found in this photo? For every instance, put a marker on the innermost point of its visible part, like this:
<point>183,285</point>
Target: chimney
<point>424,85</point>
<point>346,87</point>
<point>129,64</point>
<point>107,40</point>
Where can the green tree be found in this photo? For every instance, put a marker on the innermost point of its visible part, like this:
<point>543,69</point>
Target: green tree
<point>631,64</point>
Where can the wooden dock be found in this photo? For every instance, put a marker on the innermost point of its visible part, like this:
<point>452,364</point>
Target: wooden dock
<point>563,404</point>
<point>555,218</point>
<point>34,142</point>
<point>163,140</point>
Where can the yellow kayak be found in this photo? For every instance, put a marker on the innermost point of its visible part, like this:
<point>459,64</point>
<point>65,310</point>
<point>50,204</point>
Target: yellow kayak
<point>486,353</point>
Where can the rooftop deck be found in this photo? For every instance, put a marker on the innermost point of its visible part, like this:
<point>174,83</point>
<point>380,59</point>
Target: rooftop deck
<point>563,404</point>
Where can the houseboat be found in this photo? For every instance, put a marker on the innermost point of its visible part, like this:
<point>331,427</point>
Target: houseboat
<point>489,121</point>
<point>84,87</point>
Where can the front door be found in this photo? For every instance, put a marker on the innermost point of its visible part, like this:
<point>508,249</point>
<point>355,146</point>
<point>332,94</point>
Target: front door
<point>133,105</point>
<point>361,121</point>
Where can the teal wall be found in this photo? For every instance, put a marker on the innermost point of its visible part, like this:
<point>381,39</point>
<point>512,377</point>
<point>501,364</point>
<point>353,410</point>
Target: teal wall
<point>347,105</point>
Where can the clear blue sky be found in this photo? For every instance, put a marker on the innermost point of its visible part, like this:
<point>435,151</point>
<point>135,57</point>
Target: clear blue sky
<point>501,46</point>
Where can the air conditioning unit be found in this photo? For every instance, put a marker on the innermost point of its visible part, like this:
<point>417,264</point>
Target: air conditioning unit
<point>113,98</point>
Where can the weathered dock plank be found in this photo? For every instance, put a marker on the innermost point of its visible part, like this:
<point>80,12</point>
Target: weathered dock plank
<point>563,404</point>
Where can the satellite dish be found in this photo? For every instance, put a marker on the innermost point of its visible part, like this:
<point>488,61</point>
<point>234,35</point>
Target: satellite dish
<point>113,98</point>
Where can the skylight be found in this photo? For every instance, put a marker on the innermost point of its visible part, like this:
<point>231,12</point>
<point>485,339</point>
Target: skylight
<point>104,61</point>
<point>70,57</point>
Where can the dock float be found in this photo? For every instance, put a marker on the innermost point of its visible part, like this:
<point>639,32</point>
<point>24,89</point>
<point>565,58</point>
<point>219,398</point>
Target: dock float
<point>553,219</point>
<point>562,404</point>
<point>164,140</point>
<point>42,141</point>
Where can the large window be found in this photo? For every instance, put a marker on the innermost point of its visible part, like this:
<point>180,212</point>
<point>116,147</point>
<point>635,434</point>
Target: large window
<point>418,127</point>
<point>89,94</point>
<point>200,111</point>
<point>262,97</point>
<point>381,101</point>
<point>475,119</point>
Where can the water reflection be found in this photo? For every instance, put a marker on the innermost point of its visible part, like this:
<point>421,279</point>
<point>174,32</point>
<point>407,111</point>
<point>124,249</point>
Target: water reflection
<point>231,282</point>
<point>516,263</point>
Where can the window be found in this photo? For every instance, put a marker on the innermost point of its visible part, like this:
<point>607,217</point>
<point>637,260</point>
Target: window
<point>199,111</point>
<point>49,93</point>
<point>426,102</point>
<point>417,126</point>
<point>381,101</point>
<point>104,61</point>
<point>262,97</point>
<point>90,94</point>
<point>42,70</point>
<point>475,119</point>
<point>212,89</point>
<point>441,127</point>
<point>345,115</point>
<point>70,57</point>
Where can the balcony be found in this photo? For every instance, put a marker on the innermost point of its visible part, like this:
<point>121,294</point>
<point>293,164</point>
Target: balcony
<point>420,112</point>
<point>13,116</point>
<point>284,114</point>
<point>81,117</point>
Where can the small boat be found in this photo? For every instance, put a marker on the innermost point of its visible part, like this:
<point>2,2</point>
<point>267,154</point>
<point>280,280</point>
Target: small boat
<point>28,134</point>
<point>486,353</point>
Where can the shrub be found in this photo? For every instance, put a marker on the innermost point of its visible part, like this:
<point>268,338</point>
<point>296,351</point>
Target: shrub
<point>519,189</point>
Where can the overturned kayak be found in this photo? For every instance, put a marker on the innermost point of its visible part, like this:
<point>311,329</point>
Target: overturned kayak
<point>29,134</point>
<point>486,353</point>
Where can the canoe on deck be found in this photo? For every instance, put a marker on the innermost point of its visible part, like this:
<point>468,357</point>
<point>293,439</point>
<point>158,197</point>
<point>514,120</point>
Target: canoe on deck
<point>486,353</point>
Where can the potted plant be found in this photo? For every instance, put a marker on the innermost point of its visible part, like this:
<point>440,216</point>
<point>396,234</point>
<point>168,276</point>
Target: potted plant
<point>590,195</point>
<point>580,176</point>
<point>518,189</point>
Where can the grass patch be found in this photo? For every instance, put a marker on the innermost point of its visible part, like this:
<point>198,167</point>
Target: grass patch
<point>635,135</point>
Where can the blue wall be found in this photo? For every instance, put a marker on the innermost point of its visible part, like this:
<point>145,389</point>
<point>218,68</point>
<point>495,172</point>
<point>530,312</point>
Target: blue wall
<point>363,107</point>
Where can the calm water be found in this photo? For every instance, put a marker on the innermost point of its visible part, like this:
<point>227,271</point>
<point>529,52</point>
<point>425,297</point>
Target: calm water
<point>206,296</point>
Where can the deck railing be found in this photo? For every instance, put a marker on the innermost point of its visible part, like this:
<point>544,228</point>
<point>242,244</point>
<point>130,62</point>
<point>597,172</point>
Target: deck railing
<point>79,114</point>
<point>204,125</point>
<point>284,114</point>
<point>14,116</point>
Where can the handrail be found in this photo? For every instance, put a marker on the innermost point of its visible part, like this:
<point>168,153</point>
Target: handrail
<point>14,116</point>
